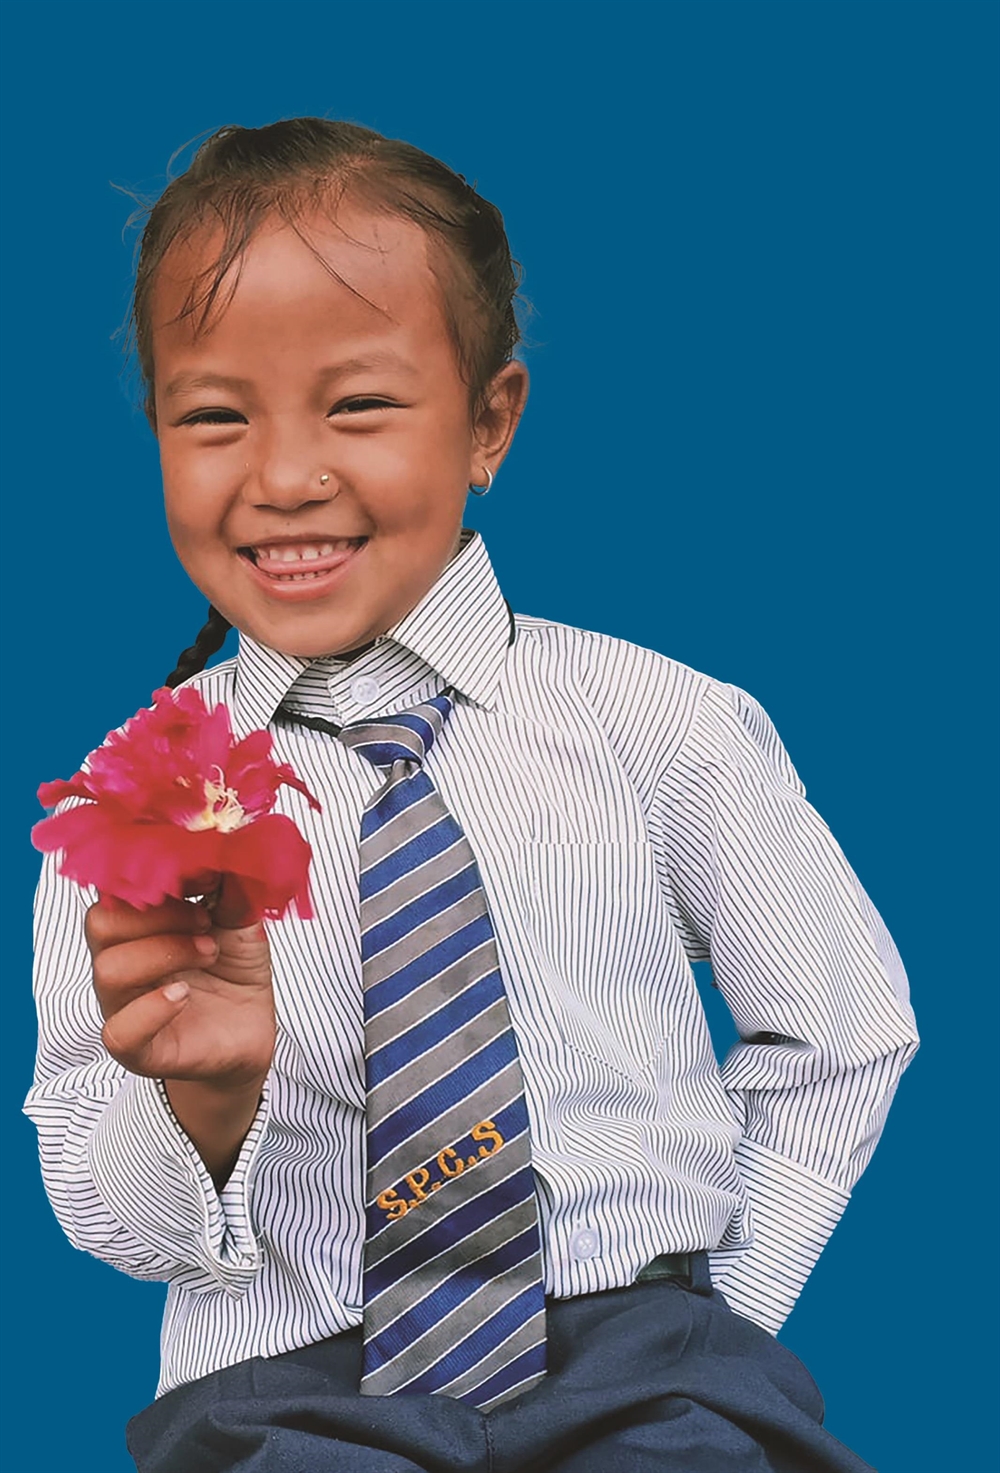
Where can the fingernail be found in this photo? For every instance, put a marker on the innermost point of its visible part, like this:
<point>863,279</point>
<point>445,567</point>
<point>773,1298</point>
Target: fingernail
<point>206,945</point>
<point>175,991</point>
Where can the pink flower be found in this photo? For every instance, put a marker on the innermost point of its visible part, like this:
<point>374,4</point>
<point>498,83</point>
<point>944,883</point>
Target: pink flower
<point>173,798</point>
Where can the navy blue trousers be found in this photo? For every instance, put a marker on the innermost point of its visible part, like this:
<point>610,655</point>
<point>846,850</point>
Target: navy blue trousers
<point>656,1378</point>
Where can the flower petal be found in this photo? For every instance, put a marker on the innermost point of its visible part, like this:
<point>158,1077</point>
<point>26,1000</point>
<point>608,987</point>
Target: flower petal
<point>271,859</point>
<point>78,786</point>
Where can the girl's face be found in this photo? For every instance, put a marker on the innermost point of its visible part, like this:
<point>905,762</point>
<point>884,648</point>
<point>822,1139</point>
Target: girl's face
<point>316,438</point>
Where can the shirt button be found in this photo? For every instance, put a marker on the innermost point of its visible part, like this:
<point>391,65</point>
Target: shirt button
<point>364,690</point>
<point>584,1244</point>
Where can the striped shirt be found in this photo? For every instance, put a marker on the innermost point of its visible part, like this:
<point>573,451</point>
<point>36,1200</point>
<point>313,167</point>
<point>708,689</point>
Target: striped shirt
<point>629,816</point>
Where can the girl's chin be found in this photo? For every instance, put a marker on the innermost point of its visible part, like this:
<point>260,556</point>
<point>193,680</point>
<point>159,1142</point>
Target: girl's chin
<point>309,635</point>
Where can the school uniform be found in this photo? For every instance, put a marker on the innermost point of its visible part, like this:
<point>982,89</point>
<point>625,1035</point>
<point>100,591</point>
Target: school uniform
<point>629,816</point>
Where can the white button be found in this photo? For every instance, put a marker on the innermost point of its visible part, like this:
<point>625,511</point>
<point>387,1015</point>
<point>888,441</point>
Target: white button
<point>583,1243</point>
<point>365,689</point>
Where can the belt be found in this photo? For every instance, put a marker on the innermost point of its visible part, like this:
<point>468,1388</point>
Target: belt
<point>667,1266</point>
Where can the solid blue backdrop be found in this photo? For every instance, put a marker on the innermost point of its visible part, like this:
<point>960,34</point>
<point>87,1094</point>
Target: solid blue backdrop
<point>759,241</point>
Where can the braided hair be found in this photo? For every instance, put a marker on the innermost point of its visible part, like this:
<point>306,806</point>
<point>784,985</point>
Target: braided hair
<point>211,637</point>
<point>240,177</point>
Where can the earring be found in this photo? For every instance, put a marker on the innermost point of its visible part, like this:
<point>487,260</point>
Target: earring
<point>482,490</point>
<point>324,478</point>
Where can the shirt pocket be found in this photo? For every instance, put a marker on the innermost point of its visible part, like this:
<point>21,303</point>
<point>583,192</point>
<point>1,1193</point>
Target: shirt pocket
<point>594,917</point>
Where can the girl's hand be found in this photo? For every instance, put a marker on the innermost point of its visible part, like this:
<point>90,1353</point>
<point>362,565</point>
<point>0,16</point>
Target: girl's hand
<point>186,996</point>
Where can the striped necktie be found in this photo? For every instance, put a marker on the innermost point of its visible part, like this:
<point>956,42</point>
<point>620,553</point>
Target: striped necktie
<point>453,1296</point>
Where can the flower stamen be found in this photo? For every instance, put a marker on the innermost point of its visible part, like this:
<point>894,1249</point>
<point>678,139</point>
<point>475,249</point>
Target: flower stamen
<point>223,809</point>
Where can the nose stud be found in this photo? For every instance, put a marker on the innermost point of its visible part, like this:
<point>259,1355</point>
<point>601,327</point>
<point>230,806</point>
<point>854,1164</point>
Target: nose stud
<point>323,479</point>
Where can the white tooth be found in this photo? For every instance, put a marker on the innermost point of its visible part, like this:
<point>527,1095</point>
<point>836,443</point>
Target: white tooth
<point>310,554</point>
<point>290,555</point>
<point>326,549</point>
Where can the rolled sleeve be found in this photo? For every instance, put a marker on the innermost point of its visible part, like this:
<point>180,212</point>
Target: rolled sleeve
<point>154,1183</point>
<point>794,1212</point>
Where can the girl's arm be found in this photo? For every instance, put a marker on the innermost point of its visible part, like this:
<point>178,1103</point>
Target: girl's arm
<point>127,1182</point>
<point>812,979</point>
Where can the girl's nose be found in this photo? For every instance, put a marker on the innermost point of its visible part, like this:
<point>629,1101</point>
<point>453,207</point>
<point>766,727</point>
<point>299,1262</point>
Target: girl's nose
<point>285,481</point>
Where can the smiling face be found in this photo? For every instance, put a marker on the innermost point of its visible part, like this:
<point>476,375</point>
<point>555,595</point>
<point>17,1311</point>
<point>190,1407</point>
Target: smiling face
<point>315,436</point>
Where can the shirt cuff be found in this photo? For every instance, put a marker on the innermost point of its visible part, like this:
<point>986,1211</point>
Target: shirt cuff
<point>151,1177</point>
<point>792,1214</point>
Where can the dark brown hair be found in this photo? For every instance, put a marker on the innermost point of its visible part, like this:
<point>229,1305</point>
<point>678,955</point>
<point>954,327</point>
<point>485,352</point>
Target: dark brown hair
<point>241,176</point>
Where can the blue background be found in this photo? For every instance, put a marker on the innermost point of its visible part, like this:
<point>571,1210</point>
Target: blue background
<point>759,243</point>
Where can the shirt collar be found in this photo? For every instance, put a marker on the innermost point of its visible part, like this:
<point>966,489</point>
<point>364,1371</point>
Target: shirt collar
<point>461,629</point>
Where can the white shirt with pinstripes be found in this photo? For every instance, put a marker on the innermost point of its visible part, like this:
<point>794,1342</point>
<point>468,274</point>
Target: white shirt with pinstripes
<point>629,816</point>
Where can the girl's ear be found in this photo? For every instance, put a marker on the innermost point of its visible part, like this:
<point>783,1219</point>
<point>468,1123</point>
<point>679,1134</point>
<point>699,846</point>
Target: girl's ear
<point>497,418</point>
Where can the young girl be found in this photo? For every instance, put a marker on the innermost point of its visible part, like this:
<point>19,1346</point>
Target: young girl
<point>576,1236</point>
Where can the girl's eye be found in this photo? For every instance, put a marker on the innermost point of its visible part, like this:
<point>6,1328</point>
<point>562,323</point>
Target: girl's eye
<point>361,405</point>
<point>214,417</point>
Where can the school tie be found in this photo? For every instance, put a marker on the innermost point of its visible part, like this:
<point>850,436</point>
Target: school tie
<point>453,1295</point>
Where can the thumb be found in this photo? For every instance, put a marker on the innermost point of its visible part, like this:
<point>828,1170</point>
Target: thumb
<point>233,909</point>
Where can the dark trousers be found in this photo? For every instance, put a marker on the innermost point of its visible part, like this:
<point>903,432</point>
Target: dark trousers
<point>647,1379</point>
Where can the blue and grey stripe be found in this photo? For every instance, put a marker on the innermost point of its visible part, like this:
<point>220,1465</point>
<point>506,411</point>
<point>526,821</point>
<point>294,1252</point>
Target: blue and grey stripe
<point>457,1306</point>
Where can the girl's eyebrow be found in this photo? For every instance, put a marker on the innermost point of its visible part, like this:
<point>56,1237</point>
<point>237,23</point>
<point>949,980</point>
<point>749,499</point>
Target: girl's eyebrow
<point>184,383</point>
<point>384,359</point>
